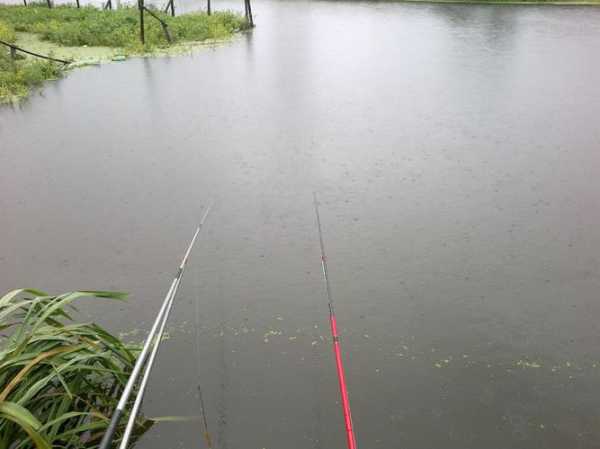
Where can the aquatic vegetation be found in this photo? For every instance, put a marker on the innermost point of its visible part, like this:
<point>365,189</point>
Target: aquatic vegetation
<point>58,379</point>
<point>70,26</point>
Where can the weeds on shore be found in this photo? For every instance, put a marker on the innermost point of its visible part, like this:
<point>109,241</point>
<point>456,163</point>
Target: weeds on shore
<point>59,380</point>
<point>18,76</point>
<point>69,26</point>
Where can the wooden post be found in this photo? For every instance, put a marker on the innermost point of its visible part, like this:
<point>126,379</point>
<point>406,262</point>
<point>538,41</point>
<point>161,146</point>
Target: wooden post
<point>25,2</point>
<point>249,14</point>
<point>141,6</point>
<point>77,1</point>
<point>208,10</point>
<point>163,24</point>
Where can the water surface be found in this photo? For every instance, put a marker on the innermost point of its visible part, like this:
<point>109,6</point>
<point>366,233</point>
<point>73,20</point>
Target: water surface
<point>455,151</point>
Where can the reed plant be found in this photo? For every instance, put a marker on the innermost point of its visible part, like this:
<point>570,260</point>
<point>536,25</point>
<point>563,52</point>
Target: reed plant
<point>59,380</point>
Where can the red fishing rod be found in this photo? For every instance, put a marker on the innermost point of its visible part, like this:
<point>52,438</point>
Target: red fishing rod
<point>336,339</point>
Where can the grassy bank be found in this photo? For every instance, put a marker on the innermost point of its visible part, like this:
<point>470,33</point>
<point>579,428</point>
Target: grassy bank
<point>18,76</point>
<point>70,26</point>
<point>58,379</point>
<point>93,33</point>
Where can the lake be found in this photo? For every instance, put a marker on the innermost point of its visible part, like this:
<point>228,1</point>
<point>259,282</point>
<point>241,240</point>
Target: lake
<point>455,152</point>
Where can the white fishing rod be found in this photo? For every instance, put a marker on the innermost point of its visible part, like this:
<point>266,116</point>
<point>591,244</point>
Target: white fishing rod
<point>160,321</point>
<point>142,387</point>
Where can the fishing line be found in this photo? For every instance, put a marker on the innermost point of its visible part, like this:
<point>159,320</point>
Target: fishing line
<point>317,373</point>
<point>207,437</point>
<point>222,435</point>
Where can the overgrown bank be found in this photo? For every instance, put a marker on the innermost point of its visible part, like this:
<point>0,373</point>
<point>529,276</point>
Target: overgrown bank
<point>18,75</point>
<point>67,30</point>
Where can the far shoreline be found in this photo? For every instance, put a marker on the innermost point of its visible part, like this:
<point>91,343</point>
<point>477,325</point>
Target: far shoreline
<point>508,3</point>
<point>498,2</point>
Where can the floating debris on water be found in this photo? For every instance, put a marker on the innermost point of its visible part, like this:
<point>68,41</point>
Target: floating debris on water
<point>430,355</point>
<point>131,333</point>
<point>526,364</point>
<point>269,334</point>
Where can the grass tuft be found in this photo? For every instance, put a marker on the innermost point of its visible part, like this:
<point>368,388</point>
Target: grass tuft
<point>58,380</point>
<point>7,33</point>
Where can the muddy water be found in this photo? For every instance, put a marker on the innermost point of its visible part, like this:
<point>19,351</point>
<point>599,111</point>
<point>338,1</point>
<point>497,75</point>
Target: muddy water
<point>455,149</point>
